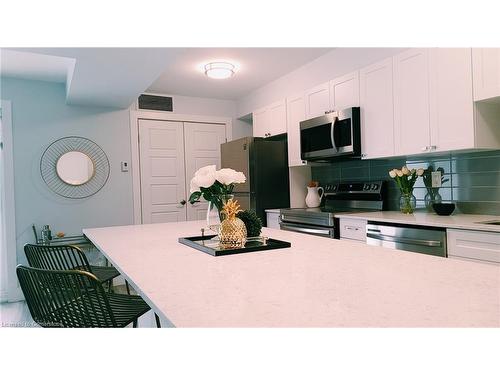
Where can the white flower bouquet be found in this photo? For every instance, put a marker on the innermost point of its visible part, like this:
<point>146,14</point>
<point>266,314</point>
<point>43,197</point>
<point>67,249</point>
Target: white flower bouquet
<point>214,185</point>
<point>405,179</point>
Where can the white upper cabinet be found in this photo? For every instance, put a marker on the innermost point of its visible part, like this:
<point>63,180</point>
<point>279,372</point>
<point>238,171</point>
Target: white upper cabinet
<point>486,71</point>
<point>296,112</point>
<point>344,91</point>
<point>277,118</point>
<point>451,103</point>
<point>270,120</point>
<point>411,102</point>
<point>376,102</point>
<point>318,100</point>
<point>260,122</point>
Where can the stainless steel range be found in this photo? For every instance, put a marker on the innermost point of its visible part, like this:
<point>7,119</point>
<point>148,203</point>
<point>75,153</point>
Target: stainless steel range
<point>338,198</point>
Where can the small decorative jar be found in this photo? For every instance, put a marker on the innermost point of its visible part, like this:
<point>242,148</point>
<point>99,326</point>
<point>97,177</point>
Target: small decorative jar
<point>407,203</point>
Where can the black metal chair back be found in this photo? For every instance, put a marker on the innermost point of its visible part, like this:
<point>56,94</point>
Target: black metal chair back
<point>65,298</point>
<point>56,257</point>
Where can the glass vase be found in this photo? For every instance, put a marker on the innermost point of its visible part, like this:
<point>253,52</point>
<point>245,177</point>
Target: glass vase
<point>407,203</point>
<point>214,211</point>
<point>430,198</point>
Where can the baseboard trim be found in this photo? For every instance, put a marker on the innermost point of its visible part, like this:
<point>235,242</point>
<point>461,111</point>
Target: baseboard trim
<point>3,296</point>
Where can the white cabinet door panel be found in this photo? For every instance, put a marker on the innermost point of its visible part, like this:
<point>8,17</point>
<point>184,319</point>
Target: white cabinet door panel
<point>202,142</point>
<point>376,101</point>
<point>296,112</point>
<point>161,148</point>
<point>277,118</point>
<point>318,100</point>
<point>260,122</point>
<point>475,245</point>
<point>451,102</point>
<point>411,102</point>
<point>486,73</point>
<point>344,91</point>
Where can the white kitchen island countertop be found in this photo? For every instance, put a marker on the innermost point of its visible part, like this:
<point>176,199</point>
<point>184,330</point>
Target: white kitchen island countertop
<point>456,221</point>
<point>318,282</point>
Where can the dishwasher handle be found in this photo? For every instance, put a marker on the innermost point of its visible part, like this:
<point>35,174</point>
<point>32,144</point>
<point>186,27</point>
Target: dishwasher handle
<point>301,229</point>
<point>410,241</point>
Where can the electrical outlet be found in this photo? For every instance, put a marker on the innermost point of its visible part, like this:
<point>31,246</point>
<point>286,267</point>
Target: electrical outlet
<point>124,166</point>
<point>436,179</point>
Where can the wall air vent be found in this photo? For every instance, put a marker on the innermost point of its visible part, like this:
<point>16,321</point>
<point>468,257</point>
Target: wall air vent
<point>155,102</point>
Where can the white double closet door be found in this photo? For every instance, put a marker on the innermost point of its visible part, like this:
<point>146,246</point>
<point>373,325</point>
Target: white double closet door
<point>170,152</point>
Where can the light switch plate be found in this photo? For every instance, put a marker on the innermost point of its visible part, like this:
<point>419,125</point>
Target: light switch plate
<point>436,179</point>
<point>124,165</point>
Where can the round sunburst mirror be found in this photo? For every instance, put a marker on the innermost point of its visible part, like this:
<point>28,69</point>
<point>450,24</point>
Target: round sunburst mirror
<point>74,167</point>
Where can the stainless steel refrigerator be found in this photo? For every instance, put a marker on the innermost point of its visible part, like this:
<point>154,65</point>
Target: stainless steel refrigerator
<point>264,161</point>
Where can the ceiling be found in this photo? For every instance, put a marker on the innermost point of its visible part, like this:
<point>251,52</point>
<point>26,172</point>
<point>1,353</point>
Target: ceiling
<point>255,68</point>
<point>35,66</point>
<point>115,77</point>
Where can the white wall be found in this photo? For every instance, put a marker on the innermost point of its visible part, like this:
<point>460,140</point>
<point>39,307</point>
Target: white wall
<point>40,116</point>
<point>189,105</point>
<point>338,62</point>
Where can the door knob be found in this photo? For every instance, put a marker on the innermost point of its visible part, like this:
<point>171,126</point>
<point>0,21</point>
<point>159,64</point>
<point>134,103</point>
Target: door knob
<point>183,202</point>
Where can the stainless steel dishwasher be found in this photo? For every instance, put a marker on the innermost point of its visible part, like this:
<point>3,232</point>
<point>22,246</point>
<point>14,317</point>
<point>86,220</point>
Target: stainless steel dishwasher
<point>425,240</point>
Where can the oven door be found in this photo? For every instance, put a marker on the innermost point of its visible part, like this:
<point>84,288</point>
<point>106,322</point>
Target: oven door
<point>308,229</point>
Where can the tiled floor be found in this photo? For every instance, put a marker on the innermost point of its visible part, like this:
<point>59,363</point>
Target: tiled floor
<point>16,314</point>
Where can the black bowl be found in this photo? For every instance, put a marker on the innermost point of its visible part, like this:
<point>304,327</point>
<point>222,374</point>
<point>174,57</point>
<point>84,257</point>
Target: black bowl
<point>443,209</point>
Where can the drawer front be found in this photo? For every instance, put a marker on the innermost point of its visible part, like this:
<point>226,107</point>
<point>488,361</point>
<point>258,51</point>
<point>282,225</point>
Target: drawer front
<point>483,246</point>
<point>353,229</point>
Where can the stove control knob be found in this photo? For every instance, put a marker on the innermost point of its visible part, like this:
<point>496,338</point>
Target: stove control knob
<point>375,187</point>
<point>367,187</point>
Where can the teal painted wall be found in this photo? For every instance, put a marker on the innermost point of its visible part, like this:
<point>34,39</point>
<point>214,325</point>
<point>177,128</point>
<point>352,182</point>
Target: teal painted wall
<point>40,116</point>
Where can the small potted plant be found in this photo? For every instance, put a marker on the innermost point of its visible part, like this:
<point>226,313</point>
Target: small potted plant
<point>405,179</point>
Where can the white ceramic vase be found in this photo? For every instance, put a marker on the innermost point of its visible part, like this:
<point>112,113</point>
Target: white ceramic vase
<point>314,195</point>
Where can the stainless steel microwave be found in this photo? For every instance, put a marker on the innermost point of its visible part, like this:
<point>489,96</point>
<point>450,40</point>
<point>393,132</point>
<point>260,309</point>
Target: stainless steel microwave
<point>333,135</point>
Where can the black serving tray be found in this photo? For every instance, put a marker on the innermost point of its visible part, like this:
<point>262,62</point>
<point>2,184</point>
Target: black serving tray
<point>208,245</point>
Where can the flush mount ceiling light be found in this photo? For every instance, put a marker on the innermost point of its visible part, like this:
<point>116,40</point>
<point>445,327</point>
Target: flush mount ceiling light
<point>219,70</point>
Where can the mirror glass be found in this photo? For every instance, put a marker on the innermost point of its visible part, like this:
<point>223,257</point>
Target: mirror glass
<point>75,168</point>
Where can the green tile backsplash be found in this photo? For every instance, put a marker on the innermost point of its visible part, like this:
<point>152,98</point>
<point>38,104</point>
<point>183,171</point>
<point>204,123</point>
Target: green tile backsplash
<point>473,178</point>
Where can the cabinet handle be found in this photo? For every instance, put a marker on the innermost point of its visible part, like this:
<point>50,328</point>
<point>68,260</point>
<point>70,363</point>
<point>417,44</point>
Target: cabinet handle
<point>433,148</point>
<point>364,155</point>
<point>426,148</point>
<point>351,228</point>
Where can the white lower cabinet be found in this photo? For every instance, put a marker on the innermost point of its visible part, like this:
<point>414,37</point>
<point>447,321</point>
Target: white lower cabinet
<point>474,245</point>
<point>272,218</point>
<point>353,229</point>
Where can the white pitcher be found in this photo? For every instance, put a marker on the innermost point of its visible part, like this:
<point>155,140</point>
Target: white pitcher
<point>313,198</point>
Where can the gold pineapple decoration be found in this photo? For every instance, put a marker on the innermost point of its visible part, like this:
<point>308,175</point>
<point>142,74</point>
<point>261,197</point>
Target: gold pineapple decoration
<point>232,231</point>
